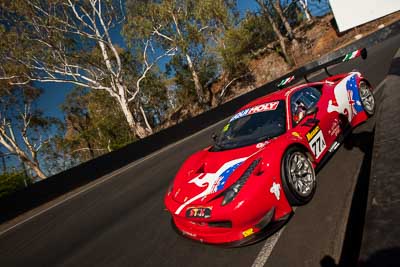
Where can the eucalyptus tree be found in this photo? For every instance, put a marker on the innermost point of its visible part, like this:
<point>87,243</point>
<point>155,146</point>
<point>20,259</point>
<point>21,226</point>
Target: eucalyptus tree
<point>194,28</point>
<point>24,130</point>
<point>304,7</point>
<point>278,9</point>
<point>267,7</point>
<point>74,42</point>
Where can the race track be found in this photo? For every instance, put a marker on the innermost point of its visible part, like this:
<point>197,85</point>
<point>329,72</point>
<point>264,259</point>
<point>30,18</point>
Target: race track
<point>120,221</point>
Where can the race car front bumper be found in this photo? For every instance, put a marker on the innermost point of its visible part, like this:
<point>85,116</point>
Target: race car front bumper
<point>223,234</point>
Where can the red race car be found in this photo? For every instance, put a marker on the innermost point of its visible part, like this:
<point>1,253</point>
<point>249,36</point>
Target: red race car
<point>263,162</point>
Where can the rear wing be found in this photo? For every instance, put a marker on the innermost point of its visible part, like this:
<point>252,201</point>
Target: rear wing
<point>304,71</point>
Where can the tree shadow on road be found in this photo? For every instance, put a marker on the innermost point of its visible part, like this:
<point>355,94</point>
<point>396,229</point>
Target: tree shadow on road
<point>363,140</point>
<point>355,225</point>
<point>389,257</point>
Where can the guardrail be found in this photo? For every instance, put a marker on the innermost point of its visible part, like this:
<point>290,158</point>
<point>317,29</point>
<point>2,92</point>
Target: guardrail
<point>84,173</point>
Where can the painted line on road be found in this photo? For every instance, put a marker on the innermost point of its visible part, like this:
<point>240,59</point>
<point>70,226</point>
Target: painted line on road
<point>269,245</point>
<point>266,250</point>
<point>109,176</point>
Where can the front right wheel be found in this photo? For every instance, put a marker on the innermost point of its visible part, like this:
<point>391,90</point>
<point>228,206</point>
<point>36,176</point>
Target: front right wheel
<point>298,177</point>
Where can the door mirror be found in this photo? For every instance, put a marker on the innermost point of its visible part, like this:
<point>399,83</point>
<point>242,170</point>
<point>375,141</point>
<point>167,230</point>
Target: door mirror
<point>312,110</point>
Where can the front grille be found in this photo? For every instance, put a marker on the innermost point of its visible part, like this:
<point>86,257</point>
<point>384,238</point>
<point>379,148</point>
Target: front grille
<point>222,224</point>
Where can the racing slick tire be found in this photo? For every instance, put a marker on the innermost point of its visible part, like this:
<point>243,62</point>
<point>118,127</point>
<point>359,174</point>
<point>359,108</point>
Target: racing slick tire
<point>298,177</point>
<point>367,98</point>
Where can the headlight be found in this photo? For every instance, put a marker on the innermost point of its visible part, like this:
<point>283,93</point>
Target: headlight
<point>234,189</point>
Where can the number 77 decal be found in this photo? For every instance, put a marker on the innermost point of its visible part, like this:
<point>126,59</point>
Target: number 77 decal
<point>317,143</point>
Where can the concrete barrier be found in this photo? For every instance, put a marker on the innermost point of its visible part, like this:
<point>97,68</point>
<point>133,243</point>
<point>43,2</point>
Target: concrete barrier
<point>381,237</point>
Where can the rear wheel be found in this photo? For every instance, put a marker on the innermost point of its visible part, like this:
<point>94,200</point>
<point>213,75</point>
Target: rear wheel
<point>367,98</point>
<point>298,177</point>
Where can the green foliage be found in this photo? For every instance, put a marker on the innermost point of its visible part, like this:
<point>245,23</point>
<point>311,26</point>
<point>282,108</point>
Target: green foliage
<point>254,32</point>
<point>184,85</point>
<point>195,28</point>
<point>94,125</point>
<point>11,182</point>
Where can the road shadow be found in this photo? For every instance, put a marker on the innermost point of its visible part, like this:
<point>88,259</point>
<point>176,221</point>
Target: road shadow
<point>355,224</point>
<point>389,257</point>
<point>363,140</point>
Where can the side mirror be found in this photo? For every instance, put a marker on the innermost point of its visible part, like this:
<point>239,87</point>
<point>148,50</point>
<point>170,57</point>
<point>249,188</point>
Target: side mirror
<point>313,121</point>
<point>312,110</point>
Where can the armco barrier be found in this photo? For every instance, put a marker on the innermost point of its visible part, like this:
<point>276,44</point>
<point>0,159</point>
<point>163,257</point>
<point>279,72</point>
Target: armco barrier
<point>66,181</point>
<point>381,237</point>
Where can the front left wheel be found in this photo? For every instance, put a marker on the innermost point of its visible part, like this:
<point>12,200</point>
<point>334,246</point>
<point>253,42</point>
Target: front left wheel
<point>367,98</point>
<point>298,177</point>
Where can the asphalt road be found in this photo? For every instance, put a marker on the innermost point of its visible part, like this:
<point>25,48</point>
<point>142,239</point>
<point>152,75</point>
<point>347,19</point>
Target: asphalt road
<point>121,221</point>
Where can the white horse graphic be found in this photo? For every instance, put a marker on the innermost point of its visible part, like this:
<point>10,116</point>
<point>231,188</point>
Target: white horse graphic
<point>342,105</point>
<point>210,181</point>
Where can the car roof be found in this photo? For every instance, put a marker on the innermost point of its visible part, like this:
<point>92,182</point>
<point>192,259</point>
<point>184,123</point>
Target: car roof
<point>277,95</point>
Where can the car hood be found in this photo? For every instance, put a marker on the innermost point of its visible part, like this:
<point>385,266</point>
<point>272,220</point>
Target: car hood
<point>207,174</point>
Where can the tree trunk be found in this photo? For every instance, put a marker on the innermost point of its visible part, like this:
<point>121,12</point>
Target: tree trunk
<point>276,30</point>
<point>197,85</point>
<point>22,155</point>
<point>139,131</point>
<point>305,9</point>
<point>286,23</point>
<point>149,129</point>
<point>33,164</point>
<point>35,167</point>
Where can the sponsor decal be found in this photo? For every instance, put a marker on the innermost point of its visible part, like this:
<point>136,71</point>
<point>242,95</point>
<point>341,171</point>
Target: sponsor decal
<point>189,234</point>
<point>316,141</point>
<point>335,128</point>
<point>275,189</point>
<point>248,232</point>
<point>347,99</point>
<point>238,205</point>
<point>199,212</point>
<point>286,81</point>
<point>334,146</point>
<point>296,134</point>
<point>256,109</point>
<point>312,133</point>
<point>261,145</point>
<point>352,55</point>
<point>226,128</point>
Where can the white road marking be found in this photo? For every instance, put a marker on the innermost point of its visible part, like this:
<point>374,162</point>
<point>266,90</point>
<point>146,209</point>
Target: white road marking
<point>110,176</point>
<point>266,250</point>
<point>269,245</point>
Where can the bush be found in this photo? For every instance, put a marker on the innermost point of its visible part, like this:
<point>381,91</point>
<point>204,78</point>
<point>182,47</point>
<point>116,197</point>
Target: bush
<point>12,182</point>
<point>254,32</point>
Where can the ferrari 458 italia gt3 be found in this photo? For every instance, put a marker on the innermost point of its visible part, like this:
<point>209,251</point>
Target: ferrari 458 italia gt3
<point>264,159</point>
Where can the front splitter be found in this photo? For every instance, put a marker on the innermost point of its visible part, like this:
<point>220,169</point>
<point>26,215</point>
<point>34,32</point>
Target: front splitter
<point>264,233</point>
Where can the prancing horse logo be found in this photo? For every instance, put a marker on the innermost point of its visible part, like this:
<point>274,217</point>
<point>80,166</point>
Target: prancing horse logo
<point>275,189</point>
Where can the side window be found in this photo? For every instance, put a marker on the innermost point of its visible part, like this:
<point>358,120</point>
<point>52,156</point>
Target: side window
<point>303,100</point>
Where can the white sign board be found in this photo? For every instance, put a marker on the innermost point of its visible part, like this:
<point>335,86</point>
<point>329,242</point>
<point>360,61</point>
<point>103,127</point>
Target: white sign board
<point>351,13</point>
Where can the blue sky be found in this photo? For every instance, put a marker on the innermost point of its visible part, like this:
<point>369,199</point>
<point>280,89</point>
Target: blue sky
<point>54,94</point>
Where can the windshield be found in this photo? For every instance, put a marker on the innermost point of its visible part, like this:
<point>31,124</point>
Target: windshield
<point>253,125</point>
